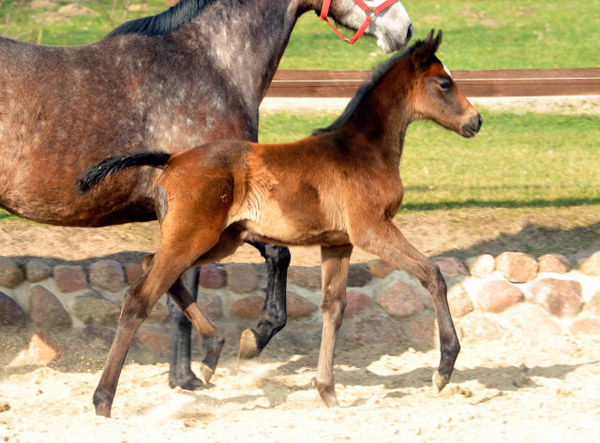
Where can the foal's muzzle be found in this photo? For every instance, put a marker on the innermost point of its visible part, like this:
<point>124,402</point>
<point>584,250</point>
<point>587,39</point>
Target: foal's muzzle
<point>472,127</point>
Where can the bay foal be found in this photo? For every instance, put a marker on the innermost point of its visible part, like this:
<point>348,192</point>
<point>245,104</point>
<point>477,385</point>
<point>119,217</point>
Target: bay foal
<point>338,189</point>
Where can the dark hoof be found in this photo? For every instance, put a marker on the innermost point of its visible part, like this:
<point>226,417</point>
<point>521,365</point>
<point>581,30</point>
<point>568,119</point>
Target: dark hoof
<point>439,381</point>
<point>248,345</point>
<point>191,383</point>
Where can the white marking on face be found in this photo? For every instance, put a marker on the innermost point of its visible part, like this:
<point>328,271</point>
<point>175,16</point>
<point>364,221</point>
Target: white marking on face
<point>447,70</point>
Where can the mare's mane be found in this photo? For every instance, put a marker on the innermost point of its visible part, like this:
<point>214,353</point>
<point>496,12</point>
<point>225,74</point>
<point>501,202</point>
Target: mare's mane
<point>165,22</point>
<point>378,71</point>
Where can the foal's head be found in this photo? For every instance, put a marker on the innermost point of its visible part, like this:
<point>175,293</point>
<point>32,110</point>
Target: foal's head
<point>435,96</point>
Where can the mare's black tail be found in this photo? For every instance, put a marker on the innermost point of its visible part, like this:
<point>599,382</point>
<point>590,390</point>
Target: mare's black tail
<point>99,171</point>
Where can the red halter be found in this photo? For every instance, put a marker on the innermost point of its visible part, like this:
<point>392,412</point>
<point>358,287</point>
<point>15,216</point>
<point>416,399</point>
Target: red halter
<point>371,12</point>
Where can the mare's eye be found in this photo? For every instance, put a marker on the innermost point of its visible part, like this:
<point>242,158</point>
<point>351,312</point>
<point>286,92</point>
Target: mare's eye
<point>445,84</point>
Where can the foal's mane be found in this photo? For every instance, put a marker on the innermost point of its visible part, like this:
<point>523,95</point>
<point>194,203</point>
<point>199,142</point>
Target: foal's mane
<point>378,71</point>
<point>165,22</point>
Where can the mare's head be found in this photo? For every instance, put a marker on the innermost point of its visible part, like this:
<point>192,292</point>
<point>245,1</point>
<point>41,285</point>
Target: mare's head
<point>391,27</point>
<point>434,94</point>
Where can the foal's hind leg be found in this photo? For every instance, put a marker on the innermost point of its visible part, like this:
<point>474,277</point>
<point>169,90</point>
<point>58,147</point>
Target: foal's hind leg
<point>139,301</point>
<point>180,246</point>
<point>386,241</point>
<point>273,316</point>
<point>334,277</point>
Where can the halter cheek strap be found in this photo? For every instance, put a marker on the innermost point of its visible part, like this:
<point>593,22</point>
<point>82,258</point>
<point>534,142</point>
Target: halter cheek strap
<point>370,12</point>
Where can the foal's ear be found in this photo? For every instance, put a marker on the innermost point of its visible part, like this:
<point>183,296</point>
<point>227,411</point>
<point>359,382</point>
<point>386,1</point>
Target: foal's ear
<point>429,46</point>
<point>436,41</point>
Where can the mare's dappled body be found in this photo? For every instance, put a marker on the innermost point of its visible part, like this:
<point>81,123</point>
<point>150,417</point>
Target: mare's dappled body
<point>338,189</point>
<point>194,73</point>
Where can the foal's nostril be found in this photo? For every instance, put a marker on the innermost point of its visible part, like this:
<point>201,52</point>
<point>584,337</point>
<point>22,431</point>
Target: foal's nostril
<point>472,127</point>
<point>409,33</point>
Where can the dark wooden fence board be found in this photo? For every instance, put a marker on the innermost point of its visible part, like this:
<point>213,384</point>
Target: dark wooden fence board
<point>492,83</point>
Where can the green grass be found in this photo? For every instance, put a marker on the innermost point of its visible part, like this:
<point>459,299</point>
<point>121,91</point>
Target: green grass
<point>530,160</point>
<point>43,25</point>
<point>499,34</point>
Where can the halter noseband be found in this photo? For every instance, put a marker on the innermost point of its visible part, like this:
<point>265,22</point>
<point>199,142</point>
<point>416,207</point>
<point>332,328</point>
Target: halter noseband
<point>370,12</point>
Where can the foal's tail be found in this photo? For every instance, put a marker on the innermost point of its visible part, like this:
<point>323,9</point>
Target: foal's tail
<point>99,171</point>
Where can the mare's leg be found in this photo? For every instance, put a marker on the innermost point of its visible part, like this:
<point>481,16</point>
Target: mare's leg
<point>180,369</point>
<point>273,316</point>
<point>334,277</point>
<point>272,319</point>
<point>212,338</point>
<point>386,241</point>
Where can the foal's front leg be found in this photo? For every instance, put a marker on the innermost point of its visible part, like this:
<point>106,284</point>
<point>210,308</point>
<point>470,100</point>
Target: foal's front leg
<point>386,241</point>
<point>334,277</point>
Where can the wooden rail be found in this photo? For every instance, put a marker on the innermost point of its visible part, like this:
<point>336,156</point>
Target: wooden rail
<point>493,83</point>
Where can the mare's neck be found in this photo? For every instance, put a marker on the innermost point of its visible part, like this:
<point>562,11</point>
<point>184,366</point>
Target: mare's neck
<point>245,42</point>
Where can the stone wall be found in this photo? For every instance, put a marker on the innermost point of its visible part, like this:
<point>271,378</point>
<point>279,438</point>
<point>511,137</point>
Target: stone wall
<point>513,295</point>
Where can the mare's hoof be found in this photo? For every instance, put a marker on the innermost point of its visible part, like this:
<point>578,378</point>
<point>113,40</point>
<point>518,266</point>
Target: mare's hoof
<point>248,345</point>
<point>191,383</point>
<point>439,381</point>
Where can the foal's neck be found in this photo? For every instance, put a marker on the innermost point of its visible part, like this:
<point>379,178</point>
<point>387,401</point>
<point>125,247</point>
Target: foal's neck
<point>380,121</point>
<point>246,41</point>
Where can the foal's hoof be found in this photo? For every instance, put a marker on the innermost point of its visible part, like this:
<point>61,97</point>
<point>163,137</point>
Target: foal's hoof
<point>191,383</point>
<point>103,411</point>
<point>439,381</point>
<point>248,345</point>
<point>329,398</point>
<point>207,372</point>
<point>103,402</point>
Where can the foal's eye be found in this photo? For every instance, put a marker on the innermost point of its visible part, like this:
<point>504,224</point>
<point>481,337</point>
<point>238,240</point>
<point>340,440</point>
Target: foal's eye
<point>445,84</point>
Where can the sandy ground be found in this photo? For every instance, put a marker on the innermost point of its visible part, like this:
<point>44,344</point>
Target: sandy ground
<point>499,392</point>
